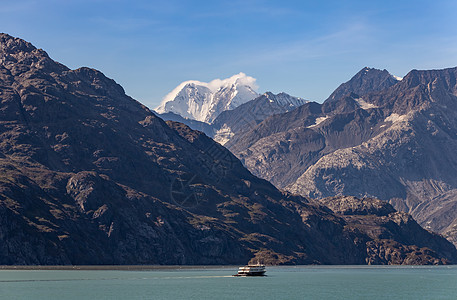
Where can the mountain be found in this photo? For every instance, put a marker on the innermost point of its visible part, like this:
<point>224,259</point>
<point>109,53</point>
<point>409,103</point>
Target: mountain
<point>410,161</point>
<point>246,116</point>
<point>365,81</point>
<point>242,118</point>
<point>91,176</point>
<point>206,128</point>
<point>283,146</point>
<point>376,136</point>
<point>391,237</point>
<point>203,101</point>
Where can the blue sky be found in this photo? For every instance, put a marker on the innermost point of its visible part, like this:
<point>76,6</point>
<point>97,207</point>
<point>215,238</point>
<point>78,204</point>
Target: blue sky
<point>304,48</point>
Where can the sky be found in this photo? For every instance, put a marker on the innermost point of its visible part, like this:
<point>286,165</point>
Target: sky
<point>303,48</point>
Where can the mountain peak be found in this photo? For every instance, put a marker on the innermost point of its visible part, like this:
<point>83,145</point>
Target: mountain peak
<point>269,95</point>
<point>204,101</point>
<point>12,45</point>
<point>373,72</point>
<point>20,56</point>
<point>365,81</point>
<point>367,71</point>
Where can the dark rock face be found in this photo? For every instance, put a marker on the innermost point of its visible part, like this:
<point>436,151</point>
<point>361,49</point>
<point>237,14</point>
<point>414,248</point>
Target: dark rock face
<point>372,137</point>
<point>206,128</point>
<point>246,116</point>
<point>91,176</point>
<point>390,237</point>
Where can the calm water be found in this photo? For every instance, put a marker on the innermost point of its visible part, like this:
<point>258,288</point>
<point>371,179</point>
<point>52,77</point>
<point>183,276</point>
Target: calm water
<point>281,283</point>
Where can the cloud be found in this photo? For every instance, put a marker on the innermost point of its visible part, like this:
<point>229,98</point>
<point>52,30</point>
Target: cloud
<point>239,78</point>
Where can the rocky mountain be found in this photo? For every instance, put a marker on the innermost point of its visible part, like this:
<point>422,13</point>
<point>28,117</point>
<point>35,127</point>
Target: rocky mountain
<point>384,227</point>
<point>203,101</point>
<point>282,147</point>
<point>91,176</point>
<point>374,136</point>
<point>365,81</point>
<point>246,116</point>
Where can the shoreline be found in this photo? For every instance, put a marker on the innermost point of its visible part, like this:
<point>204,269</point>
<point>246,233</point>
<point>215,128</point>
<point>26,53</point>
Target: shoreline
<point>116,267</point>
<point>199,267</point>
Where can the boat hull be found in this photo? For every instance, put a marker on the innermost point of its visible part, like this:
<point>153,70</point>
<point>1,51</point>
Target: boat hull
<point>250,274</point>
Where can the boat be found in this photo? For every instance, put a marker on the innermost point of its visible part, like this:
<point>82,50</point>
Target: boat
<point>251,270</point>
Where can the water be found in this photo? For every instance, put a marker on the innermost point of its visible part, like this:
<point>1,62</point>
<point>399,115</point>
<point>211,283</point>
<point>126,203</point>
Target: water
<point>217,283</point>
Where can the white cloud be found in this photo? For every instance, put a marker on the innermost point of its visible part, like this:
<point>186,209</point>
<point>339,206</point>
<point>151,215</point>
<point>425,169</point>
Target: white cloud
<point>239,78</point>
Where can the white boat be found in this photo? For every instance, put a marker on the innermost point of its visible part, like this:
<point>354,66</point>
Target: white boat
<point>251,270</point>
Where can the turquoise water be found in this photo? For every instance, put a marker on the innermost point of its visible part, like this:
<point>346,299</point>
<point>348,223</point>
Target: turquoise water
<point>281,283</point>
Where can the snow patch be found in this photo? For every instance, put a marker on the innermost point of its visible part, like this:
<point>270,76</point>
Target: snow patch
<point>395,118</point>
<point>318,121</point>
<point>223,135</point>
<point>364,105</point>
<point>397,78</point>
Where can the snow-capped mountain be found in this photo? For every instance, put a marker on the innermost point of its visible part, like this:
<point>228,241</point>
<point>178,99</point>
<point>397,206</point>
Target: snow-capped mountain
<point>204,101</point>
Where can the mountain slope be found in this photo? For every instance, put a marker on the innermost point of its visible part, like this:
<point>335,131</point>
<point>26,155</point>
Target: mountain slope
<point>206,128</point>
<point>393,237</point>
